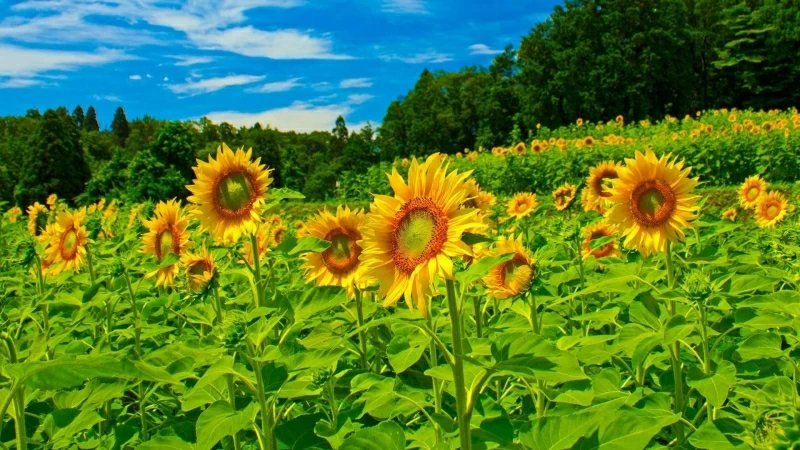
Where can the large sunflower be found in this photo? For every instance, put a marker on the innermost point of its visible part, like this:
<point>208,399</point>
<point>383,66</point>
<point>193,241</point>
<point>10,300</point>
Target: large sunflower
<point>66,242</point>
<point>37,219</point>
<point>522,205</point>
<point>598,183</point>
<point>563,196</point>
<point>751,190</point>
<point>410,238</point>
<point>229,192</point>
<point>596,231</point>
<point>339,265</point>
<point>652,202</point>
<point>166,234</point>
<point>199,269</point>
<point>512,277</point>
<point>771,209</point>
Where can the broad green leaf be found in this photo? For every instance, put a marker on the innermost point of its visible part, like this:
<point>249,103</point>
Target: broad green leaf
<point>165,443</point>
<point>676,329</point>
<point>406,347</point>
<point>384,436</point>
<point>84,420</point>
<point>708,436</point>
<point>480,268</point>
<point>308,244</point>
<point>632,429</point>
<point>562,432</point>
<point>474,239</point>
<point>220,420</point>
<point>760,346</point>
<point>715,386</point>
<point>318,299</point>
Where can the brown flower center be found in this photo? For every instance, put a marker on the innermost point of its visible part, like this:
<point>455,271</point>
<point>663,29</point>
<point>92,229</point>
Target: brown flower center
<point>420,232</point>
<point>652,203</point>
<point>342,256</point>
<point>599,252</point>
<point>601,181</point>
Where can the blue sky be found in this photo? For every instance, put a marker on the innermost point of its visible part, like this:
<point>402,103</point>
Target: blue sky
<point>293,64</point>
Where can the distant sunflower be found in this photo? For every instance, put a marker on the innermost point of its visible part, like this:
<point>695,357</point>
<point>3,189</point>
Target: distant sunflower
<point>750,191</point>
<point>263,240</point>
<point>133,215</point>
<point>52,199</point>
<point>37,219</point>
<point>563,196</point>
<point>652,202</point>
<point>300,229</point>
<point>404,162</point>
<point>579,122</point>
<point>13,213</point>
<point>588,141</point>
<point>229,192</point>
<point>339,265</point>
<point>409,239</point>
<point>771,209</point>
<point>277,234</point>
<point>522,205</point>
<point>477,198</point>
<point>200,269</point>
<point>66,242</point>
<point>596,231</point>
<point>274,220</point>
<point>166,234</point>
<point>536,147</point>
<point>513,277</point>
<point>729,214</point>
<point>620,120</point>
<point>598,183</point>
<point>519,149</point>
<point>589,204</point>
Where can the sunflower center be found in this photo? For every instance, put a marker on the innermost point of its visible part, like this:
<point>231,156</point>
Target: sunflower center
<point>234,194</point>
<point>772,210</point>
<point>199,268</point>
<point>604,250</point>
<point>522,206</point>
<point>342,256</point>
<point>420,233</point>
<point>752,193</point>
<point>653,203</point>
<point>166,243</point>
<point>69,244</point>
<point>277,236</point>
<point>602,183</point>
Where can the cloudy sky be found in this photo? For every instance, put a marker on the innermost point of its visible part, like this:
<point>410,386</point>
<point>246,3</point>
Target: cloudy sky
<point>293,64</point>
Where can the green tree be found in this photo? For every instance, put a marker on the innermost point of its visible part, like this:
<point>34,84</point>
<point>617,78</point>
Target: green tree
<point>78,115</point>
<point>174,147</point>
<point>90,121</point>
<point>338,137</point>
<point>119,126</point>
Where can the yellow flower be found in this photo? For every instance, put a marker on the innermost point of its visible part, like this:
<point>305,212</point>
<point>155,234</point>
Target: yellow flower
<point>620,120</point>
<point>589,204</point>
<point>274,221</point>
<point>588,140</point>
<point>522,205</point>
<point>277,234</point>
<point>598,183</point>
<point>512,277</point>
<point>563,196</point>
<point>51,201</point>
<point>404,162</point>
<point>652,202</point>
<point>263,240</point>
<point>409,239</point>
<point>133,216</point>
<point>229,193</point>
<point>771,209</point>
<point>750,191</point>
<point>199,269</point>
<point>66,242</point>
<point>536,147</point>
<point>101,204</point>
<point>596,231</point>
<point>339,265</point>
<point>472,156</point>
<point>519,149</point>
<point>476,198</point>
<point>166,234</point>
<point>459,155</point>
<point>730,214</point>
<point>732,118</point>
<point>300,229</point>
<point>579,122</point>
<point>13,213</point>
<point>37,219</point>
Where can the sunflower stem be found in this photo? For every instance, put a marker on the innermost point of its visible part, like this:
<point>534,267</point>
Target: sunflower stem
<point>259,296</point>
<point>218,303</point>
<point>458,368</point>
<point>437,397</point>
<point>91,264</point>
<point>18,396</point>
<point>237,444</point>
<point>362,337</point>
<point>677,370</point>
<point>476,305</point>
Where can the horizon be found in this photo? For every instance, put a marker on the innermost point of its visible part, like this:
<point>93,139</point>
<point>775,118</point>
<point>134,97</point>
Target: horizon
<point>290,64</point>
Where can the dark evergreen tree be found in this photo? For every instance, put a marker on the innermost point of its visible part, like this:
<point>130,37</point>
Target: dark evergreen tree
<point>120,126</point>
<point>78,115</point>
<point>33,113</point>
<point>338,137</point>
<point>90,121</point>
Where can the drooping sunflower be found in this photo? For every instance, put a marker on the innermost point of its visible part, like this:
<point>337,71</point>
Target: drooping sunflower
<point>751,190</point>
<point>522,205</point>
<point>563,196</point>
<point>598,183</point>
<point>66,241</point>
<point>514,276</point>
<point>263,240</point>
<point>166,233</point>
<point>596,231</point>
<point>229,192</point>
<point>730,214</point>
<point>771,209</point>
<point>13,213</point>
<point>52,199</point>
<point>37,219</point>
<point>277,234</point>
<point>652,202</point>
<point>200,269</point>
<point>339,265</point>
<point>409,239</point>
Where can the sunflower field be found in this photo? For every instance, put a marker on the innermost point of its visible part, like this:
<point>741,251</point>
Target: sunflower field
<point>602,304</point>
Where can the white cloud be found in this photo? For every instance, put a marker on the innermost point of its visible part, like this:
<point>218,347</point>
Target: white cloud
<point>166,78</point>
<point>69,27</point>
<point>357,99</point>
<point>280,44</point>
<point>322,86</point>
<point>355,83</point>
<point>212,84</point>
<point>404,6</point>
<point>300,116</point>
<point>419,58</point>
<point>277,86</point>
<point>16,83</point>
<point>135,77</point>
<point>323,98</point>
<point>185,60</point>
<point>482,49</point>
<point>108,98</point>
<point>26,62</point>
<point>148,76</point>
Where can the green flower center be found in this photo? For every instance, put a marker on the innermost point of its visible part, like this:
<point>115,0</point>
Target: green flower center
<point>420,233</point>
<point>166,244</point>
<point>752,193</point>
<point>415,232</point>
<point>653,203</point>
<point>235,194</point>
<point>69,244</point>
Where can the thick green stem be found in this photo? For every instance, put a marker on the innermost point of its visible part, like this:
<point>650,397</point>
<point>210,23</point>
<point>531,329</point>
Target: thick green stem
<point>458,368</point>
<point>237,444</point>
<point>706,354</point>
<point>259,298</point>
<point>218,303</point>
<point>437,395</point>
<point>267,435</point>
<point>534,314</point>
<point>476,305</point>
<point>677,370</point>
<point>18,394</point>
<point>137,342</point>
<point>362,335</point>
<point>90,264</point>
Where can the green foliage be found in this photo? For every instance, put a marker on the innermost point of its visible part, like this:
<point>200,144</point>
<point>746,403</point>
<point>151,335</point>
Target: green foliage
<point>78,115</point>
<point>120,127</point>
<point>90,122</point>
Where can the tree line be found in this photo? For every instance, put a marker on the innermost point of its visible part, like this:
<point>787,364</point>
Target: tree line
<point>596,59</point>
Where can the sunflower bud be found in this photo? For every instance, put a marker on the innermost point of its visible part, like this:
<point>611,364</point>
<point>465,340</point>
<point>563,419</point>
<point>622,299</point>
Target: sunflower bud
<point>94,225</point>
<point>321,376</point>
<point>25,251</point>
<point>569,231</point>
<point>697,286</point>
<point>235,329</point>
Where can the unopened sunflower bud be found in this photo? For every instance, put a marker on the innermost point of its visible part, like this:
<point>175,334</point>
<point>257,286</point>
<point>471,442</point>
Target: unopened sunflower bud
<point>697,286</point>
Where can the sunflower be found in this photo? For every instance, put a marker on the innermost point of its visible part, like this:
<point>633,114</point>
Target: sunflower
<point>563,196</point>
<point>229,193</point>
<point>66,242</point>
<point>166,233</point>
<point>730,214</point>
<point>263,239</point>
<point>409,239</point>
<point>52,199</point>
<point>133,216</point>
<point>274,220</point>
<point>751,190</point>
<point>37,219</point>
<point>771,209</point>
<point>404,162</point>
<point>300,229</point>
<point>588,141</point>
<point>652,202</point>
<point>512,277</point>
<point>339,265</point>
<point>13,213</point>
<point>619,119</point>
<point>598,182</point>
<point>200,269</point>
<point>277,234</point>
<point>589,204</point>
<point>536,147</point>
<point>579,122</point>
<point>477,198</point>
<point>599,230</point>
<point>101,204</point>
<point>519,149</point>
<point>522,205</point>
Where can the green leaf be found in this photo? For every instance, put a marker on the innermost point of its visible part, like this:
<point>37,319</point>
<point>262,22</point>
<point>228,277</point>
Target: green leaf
<point>169,260</point>
<point>714,387</point>
<point>708,436</point>
<point>407,346</point>
<point>480,269</point>
<point>220,420</point>
<point>83,421</point>
<point>384,436</point>
<point>318,299</point>
<point>677,328</point>
<point>562,432</point>
<point>165,443</point>
<point>89,294</point>
<point>308,244</point>
<point>632,429</point>
<point>278,194</point>
<point>474,239</point>
<point>760,346</point>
